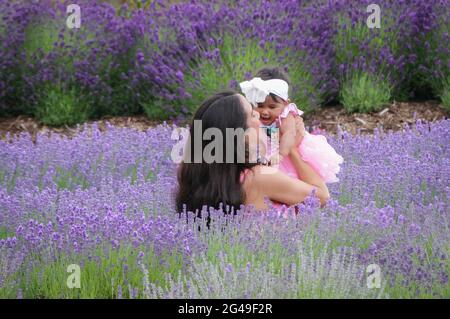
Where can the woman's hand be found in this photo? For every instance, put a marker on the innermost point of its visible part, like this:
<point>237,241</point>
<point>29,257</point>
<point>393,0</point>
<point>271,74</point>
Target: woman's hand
<point>292,131</point>
<point>287,124</point>
<point>288,133</point>
<point>299,131</point>
<point>309,176</point>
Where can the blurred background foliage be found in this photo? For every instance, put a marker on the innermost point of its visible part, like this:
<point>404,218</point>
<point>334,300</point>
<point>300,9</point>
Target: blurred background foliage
<point>163,58</point>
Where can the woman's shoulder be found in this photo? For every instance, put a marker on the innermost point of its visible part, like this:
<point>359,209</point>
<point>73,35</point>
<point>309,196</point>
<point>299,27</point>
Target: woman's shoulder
<point>249,174</point>
<point>261,174</point>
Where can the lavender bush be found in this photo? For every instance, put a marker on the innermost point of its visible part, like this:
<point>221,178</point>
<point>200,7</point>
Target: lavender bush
<point>428,50</point>
<point>325,276</point>
<point>163,58</point>
<point>104,201</point>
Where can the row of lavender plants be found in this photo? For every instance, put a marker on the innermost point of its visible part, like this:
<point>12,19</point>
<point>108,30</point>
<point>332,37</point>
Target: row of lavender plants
<point>104,201</point>
<point>163,58</point>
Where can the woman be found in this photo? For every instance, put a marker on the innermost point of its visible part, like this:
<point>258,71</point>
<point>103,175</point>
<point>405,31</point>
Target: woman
<point>205,183</point>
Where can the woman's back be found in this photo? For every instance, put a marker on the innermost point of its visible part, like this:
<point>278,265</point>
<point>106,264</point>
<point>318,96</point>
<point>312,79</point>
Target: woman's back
<point>252,182</point>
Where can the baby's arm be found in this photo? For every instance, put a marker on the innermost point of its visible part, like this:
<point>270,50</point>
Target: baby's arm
<point>280,187</point>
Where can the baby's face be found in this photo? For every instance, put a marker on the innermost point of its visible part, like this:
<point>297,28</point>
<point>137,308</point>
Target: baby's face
<point>270,109</point>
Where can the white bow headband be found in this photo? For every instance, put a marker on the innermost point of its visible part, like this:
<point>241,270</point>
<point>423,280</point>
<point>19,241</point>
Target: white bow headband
<point>256,90</point>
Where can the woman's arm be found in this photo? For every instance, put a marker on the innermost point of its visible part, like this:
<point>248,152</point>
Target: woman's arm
<point>280,187</point>
<point>309,176</point>
<point>304,171</point>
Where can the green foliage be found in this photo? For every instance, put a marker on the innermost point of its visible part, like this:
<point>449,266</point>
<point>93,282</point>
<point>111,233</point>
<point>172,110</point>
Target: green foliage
<point>361,91</point>
<point>138,4</point>
<point>2,26</point>
<point>121,100</point>
<point>239,59</point>
<point>101,274</point>
<point>5,232</point>
<point>236,59</point>
<point>156,108</point>
<point>304,91</point>
<point>349,39</point>
<point>445,95</point>
<point>39,41</point>
<point>364,93</point>
<point>70,179</point>
<point>429,72</point>
<point>59,106</point>
<point>40,36</point>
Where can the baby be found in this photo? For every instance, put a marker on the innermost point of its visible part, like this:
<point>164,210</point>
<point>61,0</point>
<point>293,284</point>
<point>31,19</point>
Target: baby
<point>269,93</point>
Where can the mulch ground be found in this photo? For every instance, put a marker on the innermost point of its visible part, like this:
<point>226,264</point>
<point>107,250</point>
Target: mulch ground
<point>392,117</point>
<point>328,118</point>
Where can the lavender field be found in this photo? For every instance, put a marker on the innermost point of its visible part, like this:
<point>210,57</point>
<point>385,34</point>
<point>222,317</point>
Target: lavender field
<point>103,201</point>
<point>93,216</point>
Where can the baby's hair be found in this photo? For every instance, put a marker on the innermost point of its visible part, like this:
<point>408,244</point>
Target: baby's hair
<point>271,73</point>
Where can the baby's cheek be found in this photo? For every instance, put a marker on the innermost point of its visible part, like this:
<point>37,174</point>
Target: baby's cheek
<point>277,112</point>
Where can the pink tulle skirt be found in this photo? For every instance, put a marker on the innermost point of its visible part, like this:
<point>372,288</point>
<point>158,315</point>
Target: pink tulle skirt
<point>321,156</point>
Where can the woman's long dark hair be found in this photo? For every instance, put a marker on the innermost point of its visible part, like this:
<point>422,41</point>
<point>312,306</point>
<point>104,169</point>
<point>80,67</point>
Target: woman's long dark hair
<point>201,184</point>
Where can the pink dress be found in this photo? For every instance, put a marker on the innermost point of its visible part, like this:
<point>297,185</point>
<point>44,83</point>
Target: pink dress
<point>315,150</point>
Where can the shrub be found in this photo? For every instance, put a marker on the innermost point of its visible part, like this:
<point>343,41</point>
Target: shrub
<point>426,47</point>
<point>234,60</point>
<point>328,275</point>
<point>157,108</point>
<point>306,91</point>
<point>163,58</point>
<point>445,95</point>
<point>366,63</point>
<point>58,106</point>
<point>364,93</point>
<point>224,66</point>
